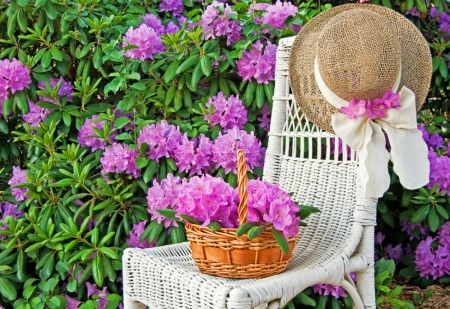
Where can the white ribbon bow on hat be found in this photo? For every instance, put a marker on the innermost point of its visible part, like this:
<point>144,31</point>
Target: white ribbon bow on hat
<point>409,153</point>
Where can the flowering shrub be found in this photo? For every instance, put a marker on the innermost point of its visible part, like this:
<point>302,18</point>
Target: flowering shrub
<point>106,106</point>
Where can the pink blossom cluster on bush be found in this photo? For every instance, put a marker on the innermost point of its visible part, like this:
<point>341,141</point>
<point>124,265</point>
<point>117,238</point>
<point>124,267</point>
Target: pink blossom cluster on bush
<point>258,63</point>
<point>133,240</point>
<point>154,22</point>
<point>333,290</point>
<point>194,156</point>
<point>264,119</point>
<point>431,261</point>
<point>277,13</point>
<point>14,76</point>
<point>163,196</point>
<point>229,113</point>
<point>173,6</point>
<point>147,40</point>
<point>216,22</point>
<point>19,176</point>
<point>120,159</point>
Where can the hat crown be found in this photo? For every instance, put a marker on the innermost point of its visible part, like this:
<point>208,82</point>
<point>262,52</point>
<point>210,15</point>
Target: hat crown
<point>359,55</point>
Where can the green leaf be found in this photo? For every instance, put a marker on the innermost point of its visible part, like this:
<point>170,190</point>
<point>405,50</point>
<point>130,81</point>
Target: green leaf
<point>442,212</point>
<point>150,171</point>
<point>409,272</point>
<point>433,220</point>
<point>156,230</point>
<point>188,63</point>
<point>260,95</point>
<point>421,6</point>
<point>215,226</point>
<point>249,94</point>
<point>387,3</point>
<point>20,98</point>
<point>205,63</point>
<point>171,71</point>
<point>121,122</point>
<point>190,219</point>
<point>196,75</point>
<point>7,289</point>
<point>168,213</point>
<point>420,214</point>
<point>436,61</point>
<point>177,234</point>
<point>409,4</point>
<point>255,231</point>
<point>56,54</point>
<point>22,2</point>
<point>304,299</point>
<point>443,68</point>
<point>141,162</point>
<point>62,183</point>
<point>281,241</point>
<point>98,271</point>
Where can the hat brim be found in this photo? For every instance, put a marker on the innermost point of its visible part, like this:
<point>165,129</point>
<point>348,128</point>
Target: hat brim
<point>415,60</point>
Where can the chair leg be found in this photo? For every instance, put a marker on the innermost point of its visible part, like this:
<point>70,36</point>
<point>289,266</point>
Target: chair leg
<point>128,303</point>
<point>365,280</point>
<point>239,299</point>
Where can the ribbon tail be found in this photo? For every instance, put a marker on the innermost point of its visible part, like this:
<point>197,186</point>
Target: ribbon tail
<point>374,159</point>
<point>409,154</point>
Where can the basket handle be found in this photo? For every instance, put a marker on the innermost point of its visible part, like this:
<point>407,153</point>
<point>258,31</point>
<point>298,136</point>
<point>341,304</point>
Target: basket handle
<point>242,182</point>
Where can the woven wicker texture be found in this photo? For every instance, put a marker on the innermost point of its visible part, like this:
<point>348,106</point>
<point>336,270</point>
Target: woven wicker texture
<point>360,49</point>
<point>337,241</point>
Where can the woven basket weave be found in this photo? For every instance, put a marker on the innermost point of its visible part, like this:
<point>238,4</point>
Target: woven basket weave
<point>222,253</point>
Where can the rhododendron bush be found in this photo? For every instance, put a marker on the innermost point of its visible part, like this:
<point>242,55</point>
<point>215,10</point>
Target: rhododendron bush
<point>108,108</point>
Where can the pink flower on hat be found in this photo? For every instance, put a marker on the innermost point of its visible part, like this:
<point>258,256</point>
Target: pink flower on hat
<point>356,108</point>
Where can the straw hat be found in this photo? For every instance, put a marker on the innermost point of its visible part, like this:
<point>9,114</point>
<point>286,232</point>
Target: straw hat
<point>360,50</point>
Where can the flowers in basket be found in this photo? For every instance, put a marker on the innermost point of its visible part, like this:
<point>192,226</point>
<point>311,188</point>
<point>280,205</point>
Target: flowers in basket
<point>211,202</point>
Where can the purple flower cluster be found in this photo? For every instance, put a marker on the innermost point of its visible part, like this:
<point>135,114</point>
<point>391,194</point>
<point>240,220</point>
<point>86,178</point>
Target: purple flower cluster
<point>216,22</point>
<point>65,89</point>
<point>120,159</point>
<point>264,119</point>
<point>439,171</point>
<point>433,140</point>
<point>72,303</point>
<point>226,145</point>
<point>36,114</point>
<point>276,14</point>
<point>146,39</point>
<point>8,210</point>
<point>154,22</point>
<point>434,262</point>
<point>19,176</point>
<point>133,241</point>
<point>101,295</point>
<point>14,76</point>
<point>333,290</point>
<point>88,138</point>
<point>258,63</point>
<point>194,156</point>
<point>415,231</point>
<point>229,113</point>
<point>443,20</point>
<point>268,203</point>
<point>174,6</point>
<point>209,199</point>
<point>162,197</point>
<point>372,108</point>
<point>162,138</point>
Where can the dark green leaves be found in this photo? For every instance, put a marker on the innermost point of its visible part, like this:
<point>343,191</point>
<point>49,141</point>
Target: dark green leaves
<point>243,228</point>
<point>281,241</point>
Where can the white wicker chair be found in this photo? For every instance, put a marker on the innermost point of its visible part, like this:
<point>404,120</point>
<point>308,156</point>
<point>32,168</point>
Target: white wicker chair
<point>337,241</point>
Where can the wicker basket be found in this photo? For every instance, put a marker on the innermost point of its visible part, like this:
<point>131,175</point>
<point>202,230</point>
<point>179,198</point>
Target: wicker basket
<point>222,253</point>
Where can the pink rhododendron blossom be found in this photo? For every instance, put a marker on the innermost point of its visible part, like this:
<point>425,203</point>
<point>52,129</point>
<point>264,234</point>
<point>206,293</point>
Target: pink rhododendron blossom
<point>258,63</point>
<point>36,114</point>
<point>268,203</point>
<point>444,235</point>
<point>194,156</point>
<point>133,241</point>
<point>163,196</point>
<point>171,28</point>
<point>120,159</point>
<point>415,231</point>
<point>209,199</point>
<point>439,171</point>
<point>432,262</point>
<point>229,113</point>
<point>216,22</point>
<point>329,289</point>
<point>375,108</point>
<point>391,99</point>
<point>14,74</point>
<point>71,302</point>
<point>264,119</point>
<point>147,40</point>
<point>356,108</point>
<point>101,294</point>
<point>174,6</point>
<point>394,253</point>
<point>379,237</point>
<point>88,138</point>
<point>19,176</point>
<point>225,148</point>
<point>276,14</point>
<point>153,21</point>
<point>162,138</point>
